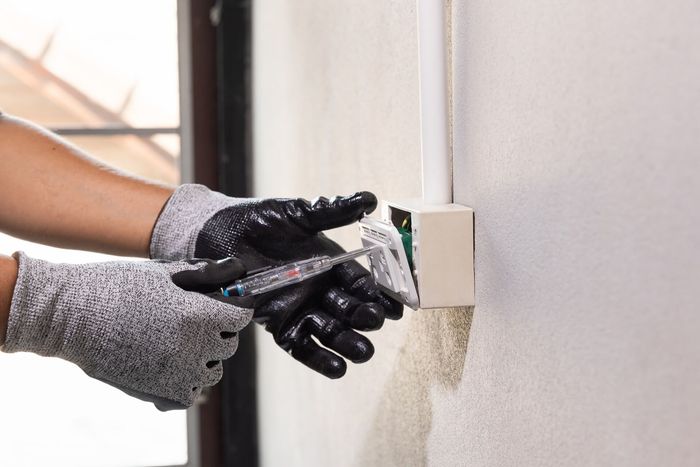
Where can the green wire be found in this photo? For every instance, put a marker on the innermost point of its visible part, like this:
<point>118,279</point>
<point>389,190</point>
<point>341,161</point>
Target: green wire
<point>407,239</point>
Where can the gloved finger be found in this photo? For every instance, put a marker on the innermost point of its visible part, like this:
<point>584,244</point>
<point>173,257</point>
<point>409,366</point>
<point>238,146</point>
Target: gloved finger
<point>338,337</point>
<point>212,373</point>
<point>216,315</point>
<point>324,214</point>
<point>358,281</point>
<point>363,316</point>
<point>163,404</point>
<point>318,359</point>
<point>243,302</point>
<point>226,345</point>
<point>211,277</point>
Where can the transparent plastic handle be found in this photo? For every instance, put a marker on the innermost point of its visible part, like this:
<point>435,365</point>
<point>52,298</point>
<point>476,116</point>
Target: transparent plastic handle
<point>282,276</point>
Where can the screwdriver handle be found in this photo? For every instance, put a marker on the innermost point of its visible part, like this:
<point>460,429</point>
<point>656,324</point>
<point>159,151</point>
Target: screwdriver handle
<point>279,277</point>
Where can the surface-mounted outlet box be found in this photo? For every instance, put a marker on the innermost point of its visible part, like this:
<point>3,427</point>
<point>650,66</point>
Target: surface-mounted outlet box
<point>442,253</point>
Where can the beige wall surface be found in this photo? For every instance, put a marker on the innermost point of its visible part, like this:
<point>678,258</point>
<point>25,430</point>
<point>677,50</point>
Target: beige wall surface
<point>577,141</point>
<point>576,136</point>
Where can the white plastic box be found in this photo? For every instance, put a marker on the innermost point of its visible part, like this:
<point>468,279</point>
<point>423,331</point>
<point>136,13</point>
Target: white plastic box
<point>443,250</point>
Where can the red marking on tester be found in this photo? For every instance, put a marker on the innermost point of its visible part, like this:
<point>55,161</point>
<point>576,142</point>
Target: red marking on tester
<point>293,273</point>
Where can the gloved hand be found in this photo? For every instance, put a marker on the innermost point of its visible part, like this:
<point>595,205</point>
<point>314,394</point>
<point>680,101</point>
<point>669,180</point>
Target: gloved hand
<point>197,222</point>
<point>128,323</point>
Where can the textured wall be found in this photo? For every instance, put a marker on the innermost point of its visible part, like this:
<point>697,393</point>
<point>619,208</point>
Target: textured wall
<point>336,110</point>
<point>577,141</point>
<point>576,136</point>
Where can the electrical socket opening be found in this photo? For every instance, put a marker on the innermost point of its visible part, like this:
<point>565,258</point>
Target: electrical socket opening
<point>397,217</point>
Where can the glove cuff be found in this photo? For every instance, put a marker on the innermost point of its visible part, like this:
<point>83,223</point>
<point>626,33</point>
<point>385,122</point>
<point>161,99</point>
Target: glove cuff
<point>30,324</point>
<point>190,206</point>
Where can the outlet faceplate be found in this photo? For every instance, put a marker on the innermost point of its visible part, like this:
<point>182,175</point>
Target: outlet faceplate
<point>442,250</point>
<point>389,264</point>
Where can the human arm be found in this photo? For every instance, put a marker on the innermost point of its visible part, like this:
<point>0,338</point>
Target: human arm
<point>53,193</point>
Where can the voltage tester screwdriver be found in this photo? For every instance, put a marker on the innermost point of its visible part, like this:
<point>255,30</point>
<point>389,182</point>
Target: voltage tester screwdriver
<point>292,273</point>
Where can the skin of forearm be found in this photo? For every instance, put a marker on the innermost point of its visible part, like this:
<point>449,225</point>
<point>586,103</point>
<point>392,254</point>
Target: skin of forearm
<point>53,193</point>
<point>8,277</point>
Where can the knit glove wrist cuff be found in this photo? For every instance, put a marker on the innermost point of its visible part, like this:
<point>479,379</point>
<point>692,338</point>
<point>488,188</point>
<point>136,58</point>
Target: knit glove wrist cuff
<point>29,327</point>
<point>190,206</point>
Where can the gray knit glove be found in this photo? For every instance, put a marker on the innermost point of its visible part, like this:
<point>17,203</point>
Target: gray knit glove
<point>128,324</point>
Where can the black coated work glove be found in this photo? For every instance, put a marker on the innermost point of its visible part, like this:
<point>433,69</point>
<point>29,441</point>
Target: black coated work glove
<point>197,222</point>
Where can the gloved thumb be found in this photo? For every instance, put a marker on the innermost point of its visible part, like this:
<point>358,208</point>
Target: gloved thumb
<point>325,214</point>
<point>211,277</point>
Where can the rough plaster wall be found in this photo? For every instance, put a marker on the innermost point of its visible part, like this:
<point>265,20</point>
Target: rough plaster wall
<point>576,140</point>
<point>336,110</point>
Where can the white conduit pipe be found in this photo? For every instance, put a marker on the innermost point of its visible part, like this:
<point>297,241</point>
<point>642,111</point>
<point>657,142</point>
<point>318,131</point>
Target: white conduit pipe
<point>435,149</point>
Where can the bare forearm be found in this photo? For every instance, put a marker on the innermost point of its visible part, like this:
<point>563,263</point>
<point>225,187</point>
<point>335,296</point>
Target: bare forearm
<point>53,193</point>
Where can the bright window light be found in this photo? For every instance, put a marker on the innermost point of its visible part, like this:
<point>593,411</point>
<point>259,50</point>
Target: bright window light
<point>81,65</point>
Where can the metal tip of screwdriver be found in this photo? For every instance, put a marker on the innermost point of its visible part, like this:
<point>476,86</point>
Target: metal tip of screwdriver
<point>345,257</point>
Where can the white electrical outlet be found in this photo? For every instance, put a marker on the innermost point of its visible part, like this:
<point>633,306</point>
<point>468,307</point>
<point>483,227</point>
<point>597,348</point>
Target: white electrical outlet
<point>440,273</point>
<point>389,264</point>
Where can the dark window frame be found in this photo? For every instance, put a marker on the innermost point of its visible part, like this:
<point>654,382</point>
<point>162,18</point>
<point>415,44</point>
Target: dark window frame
<point>220,44</point>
